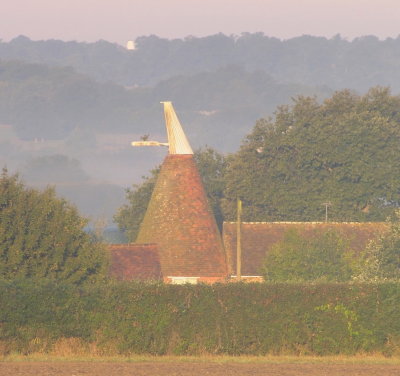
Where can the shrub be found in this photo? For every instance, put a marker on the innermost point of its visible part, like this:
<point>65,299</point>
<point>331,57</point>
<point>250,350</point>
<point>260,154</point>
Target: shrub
<point>300,258</point>
<point>42,236</point>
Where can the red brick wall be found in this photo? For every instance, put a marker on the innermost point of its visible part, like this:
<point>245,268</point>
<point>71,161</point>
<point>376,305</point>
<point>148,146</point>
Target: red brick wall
<point>179,220</point>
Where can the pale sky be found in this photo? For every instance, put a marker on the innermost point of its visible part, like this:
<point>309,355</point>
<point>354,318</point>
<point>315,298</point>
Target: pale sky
<point>122,20</point>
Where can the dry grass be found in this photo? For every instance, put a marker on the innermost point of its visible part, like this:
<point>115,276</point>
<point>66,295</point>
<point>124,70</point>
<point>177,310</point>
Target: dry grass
<point>268,359</point>
<point>74,349</point>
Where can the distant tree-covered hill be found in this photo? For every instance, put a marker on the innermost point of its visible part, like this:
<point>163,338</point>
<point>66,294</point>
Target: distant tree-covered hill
<point>314,61</point>
<point>53,102</point>
<point>57,111</point>
<point>48,102</point>
<point>76,94</point>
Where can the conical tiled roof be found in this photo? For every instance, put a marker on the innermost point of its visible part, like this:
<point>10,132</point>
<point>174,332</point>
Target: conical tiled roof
<point>179,219</point>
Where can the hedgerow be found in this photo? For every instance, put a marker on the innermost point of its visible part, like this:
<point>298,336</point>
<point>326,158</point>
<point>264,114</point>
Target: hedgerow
<point>231,319</point>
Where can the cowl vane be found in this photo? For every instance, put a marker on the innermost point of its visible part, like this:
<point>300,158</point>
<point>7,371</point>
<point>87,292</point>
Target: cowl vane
<point>177,141</point>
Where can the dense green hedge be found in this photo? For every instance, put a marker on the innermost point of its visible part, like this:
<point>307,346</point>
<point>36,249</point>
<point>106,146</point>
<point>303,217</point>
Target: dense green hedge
<point>230,319</point>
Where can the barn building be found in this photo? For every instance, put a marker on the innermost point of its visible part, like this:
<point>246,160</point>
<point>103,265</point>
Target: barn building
<point>179,221</point>
<point>258,238</point>
<point>179,241</point>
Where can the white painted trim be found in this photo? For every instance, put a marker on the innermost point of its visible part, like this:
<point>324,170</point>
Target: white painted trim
<point>247,276</point>
<point>183,280</point>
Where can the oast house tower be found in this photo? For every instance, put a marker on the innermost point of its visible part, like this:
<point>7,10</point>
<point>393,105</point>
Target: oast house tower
<point>179,218</point>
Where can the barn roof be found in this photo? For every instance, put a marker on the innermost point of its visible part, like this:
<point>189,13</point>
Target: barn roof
<point>135,262</point>
<point>259,237</point>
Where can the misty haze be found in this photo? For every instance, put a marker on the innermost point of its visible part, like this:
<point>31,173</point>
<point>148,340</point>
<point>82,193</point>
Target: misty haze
<point>69,110</point>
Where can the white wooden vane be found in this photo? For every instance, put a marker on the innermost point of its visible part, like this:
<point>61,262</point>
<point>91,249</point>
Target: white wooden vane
<point>177,141</point>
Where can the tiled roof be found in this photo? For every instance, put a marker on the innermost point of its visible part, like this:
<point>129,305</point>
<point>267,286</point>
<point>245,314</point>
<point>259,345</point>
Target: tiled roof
<point>180,221</point>
<point>135,262</point>
<point>259,237</point>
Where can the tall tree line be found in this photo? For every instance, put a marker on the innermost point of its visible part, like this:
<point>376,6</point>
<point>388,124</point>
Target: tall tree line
<point>336,62</point>
<point>344,151</point>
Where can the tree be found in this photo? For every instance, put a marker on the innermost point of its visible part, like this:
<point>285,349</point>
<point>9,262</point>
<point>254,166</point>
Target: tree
<point>300,258</point>
<point>42,236</point>
<point>381,259</point>
<point>344,150</point>
<point>211,166</point>
<point>130,216</point>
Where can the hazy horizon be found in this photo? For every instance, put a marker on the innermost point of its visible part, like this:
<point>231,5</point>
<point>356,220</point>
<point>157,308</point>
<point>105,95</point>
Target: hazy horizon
<point>123,20</point>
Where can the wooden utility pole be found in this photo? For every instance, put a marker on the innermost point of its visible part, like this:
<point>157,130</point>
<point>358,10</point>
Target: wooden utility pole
<point>239,240</point>
<point>326,204</point>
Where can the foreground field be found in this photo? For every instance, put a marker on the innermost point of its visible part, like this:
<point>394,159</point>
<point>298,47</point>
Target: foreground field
<point>212,367</point>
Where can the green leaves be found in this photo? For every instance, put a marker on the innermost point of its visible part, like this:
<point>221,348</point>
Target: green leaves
<point>345,150</point>
<point>381,259</point>
<point>130,216</point>
<point>231,319</point>
<point>43,236</point>
<point>316,257</point>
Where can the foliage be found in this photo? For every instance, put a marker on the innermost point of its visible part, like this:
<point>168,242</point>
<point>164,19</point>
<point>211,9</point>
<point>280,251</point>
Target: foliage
<point>343,151</point>
<point>43,102</point>
<point>223,83</point>
<point>211,166</point>
<point>231,319</point>
<point>381,259</point>
<point>42,236</point>
<point>130,216</point>
<point>335,62</point>
<point>319,256</point>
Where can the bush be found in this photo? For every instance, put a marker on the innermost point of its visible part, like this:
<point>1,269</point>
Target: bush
<point>381,259</point>
<point>298,258</point>
<point>42,236</point>
<point>231,319</point>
